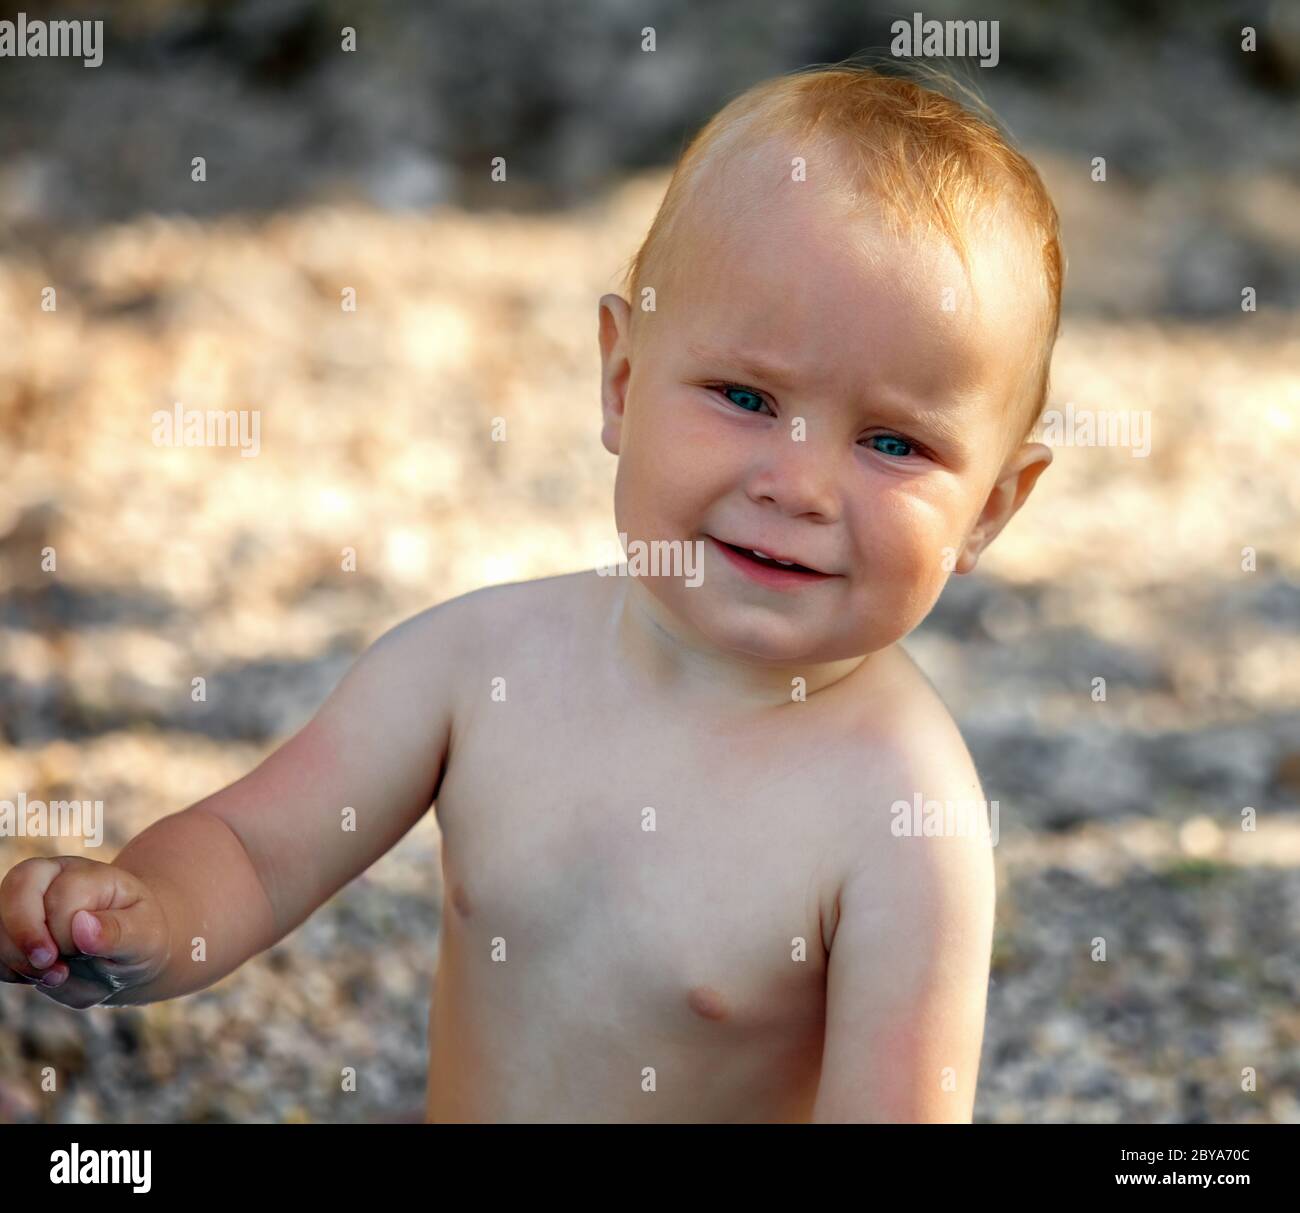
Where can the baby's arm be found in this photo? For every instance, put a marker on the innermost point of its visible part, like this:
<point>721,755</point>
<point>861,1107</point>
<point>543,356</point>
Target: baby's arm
<point>908,976</point>
<point>245,866</point>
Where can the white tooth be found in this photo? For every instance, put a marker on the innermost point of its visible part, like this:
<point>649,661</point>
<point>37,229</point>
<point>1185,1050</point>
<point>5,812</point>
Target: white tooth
<point>765,556</point>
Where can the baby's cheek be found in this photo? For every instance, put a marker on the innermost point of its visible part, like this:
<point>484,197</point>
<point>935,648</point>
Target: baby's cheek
<point>692,443</point>
<point>678,464</point>
<point>652,499</point>
<point>905,533</point>
<point>905,549</point>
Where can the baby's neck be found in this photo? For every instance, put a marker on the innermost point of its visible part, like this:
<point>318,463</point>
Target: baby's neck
<point>654,645</point>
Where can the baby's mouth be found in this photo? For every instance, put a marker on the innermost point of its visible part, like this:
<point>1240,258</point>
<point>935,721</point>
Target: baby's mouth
<point>764,560</point>
<point>771,561</point>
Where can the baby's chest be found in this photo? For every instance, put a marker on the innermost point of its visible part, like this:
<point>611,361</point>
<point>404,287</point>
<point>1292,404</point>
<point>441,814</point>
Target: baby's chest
<point>630,883</point>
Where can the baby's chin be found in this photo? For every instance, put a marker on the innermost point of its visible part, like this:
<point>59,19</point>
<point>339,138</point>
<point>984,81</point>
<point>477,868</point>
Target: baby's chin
<point>776,642</point>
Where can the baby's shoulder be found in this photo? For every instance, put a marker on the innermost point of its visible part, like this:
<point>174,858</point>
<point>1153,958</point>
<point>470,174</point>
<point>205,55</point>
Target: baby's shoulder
<point>522,610</point>
<point>916,828</point>
<point>903,731</point>
<point>496,621</point>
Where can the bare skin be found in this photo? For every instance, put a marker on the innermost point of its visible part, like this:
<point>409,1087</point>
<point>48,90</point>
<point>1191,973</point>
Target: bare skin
<point>671,888</point>
<point>699,949</point>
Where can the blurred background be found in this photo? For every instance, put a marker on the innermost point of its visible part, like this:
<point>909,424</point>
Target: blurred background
<point>476,299</point>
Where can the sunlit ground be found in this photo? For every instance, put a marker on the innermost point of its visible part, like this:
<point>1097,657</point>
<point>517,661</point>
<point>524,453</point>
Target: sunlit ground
<point>1120,818</point>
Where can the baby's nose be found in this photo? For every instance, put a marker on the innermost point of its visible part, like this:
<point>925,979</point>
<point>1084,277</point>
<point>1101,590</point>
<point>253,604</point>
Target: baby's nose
<point>798,478</point>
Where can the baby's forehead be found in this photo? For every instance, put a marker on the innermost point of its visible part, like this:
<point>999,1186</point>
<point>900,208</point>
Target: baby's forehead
<point>759,223</point>
<point>796,263</point>
<point>761,209</point>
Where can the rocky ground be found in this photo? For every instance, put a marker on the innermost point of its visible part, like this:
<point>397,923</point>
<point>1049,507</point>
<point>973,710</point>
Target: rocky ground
<point>1120,819</point>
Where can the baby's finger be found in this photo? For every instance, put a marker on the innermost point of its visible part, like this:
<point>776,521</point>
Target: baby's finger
<point>11,956</point>
<point>17,970</point>
<point>13,978</point>
<point>22,909</point>
<point>53,977</point>
<point>126,936</point>
<point>87,892</point>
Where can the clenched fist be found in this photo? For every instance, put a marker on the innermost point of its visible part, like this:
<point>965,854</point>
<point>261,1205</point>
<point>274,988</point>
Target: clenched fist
<point>79,930</point>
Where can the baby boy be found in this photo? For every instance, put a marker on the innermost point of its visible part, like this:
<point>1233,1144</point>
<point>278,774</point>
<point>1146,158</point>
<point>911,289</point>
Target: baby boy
<point>679,880</point>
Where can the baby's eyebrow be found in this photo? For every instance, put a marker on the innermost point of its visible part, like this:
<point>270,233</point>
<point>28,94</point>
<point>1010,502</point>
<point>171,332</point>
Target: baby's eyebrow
<point>750,364</point>
<point>941,425</point>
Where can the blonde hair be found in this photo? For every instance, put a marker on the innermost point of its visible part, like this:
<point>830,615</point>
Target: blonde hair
<point>922,159</point>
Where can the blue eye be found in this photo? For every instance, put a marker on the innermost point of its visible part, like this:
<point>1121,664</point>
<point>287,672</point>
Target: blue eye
<point>751,405</point>
<point>892,445</point>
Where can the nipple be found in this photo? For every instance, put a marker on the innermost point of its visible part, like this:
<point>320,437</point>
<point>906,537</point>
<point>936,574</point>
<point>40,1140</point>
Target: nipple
<point>460,899</point>
<point>707,1002</point>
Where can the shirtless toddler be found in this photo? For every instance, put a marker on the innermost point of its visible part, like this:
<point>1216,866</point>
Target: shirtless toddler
<point>678,884</point>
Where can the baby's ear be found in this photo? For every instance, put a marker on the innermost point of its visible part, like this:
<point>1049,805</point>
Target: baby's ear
<point>615,366</point>
<point>1019,475</point>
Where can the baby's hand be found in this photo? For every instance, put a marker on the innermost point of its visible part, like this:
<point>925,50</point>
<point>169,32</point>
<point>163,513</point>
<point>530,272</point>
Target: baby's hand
<point>79,930</point>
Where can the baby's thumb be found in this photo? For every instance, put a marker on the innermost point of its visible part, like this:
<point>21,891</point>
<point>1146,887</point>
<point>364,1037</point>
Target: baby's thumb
<point>112,934</point>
